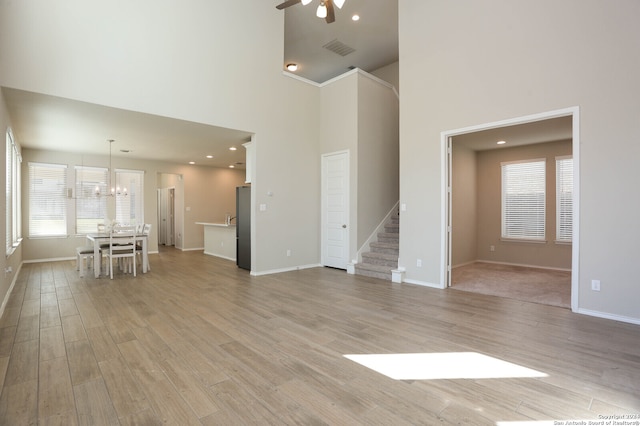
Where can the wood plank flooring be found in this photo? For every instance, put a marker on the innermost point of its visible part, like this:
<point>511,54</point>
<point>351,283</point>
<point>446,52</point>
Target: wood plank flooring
<point>197,341</point>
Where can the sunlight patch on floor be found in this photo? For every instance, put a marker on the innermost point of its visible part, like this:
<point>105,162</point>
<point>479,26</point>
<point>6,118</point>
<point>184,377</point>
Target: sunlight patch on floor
<point>448,365</point>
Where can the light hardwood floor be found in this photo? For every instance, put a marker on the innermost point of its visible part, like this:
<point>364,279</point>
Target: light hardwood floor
<point>197,341</point>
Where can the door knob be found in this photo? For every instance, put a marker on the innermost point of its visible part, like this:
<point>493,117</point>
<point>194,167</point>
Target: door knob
<point>344,226</point>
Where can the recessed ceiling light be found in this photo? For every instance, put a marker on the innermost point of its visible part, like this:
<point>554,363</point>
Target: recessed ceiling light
<point>192,162</point>
<point>233,148</point>
<point>501,142</point>
<point>231,166</point>
<point>292,67</point>
<point>209,156</point>
<point>355,18</point>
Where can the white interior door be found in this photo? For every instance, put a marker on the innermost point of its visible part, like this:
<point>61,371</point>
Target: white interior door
<point>335,210</point>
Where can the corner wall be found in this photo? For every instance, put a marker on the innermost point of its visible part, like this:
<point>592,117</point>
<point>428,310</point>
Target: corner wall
<point>359,113</point>
<point>483,63</point>
<point>13,261</point>
<point>175,61</point>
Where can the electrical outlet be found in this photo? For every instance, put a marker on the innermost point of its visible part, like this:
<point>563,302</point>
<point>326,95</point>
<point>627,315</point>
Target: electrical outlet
<point>419,263</point>
<point>288,253</point>
<point>492,248</point>
<point>595,285</point>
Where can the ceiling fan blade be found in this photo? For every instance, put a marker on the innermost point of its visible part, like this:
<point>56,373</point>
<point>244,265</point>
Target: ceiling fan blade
<point>287,4</point>
<point>331,16</point>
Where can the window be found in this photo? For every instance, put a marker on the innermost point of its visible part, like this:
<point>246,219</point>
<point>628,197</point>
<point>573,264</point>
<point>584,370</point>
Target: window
<point>12,195</point>
<point>564,199</point>
<point>47,200</point>
<point>523,200</point>
<point>91,209</point>
<point>130,198</point>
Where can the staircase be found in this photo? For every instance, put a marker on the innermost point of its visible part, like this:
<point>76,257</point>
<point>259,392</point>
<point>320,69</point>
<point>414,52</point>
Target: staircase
<point>383,256</point>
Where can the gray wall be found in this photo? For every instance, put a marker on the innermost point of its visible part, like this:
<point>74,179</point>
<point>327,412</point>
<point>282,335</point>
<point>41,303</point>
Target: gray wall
<point>464,220</point>
<point>359,114</point>
<point>489,204</point>
<point>490,61</point>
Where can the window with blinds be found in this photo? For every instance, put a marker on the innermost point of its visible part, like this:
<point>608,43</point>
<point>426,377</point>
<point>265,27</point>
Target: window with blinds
<point>130,200</point>
<point>13,209</point>
<point>47,200</point>
<point>523,200</point>
<point>564,199</point>
<point>91,209</point>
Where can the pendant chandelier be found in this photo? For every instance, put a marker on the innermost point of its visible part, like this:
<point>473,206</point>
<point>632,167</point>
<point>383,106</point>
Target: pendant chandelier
<point>115,191</point>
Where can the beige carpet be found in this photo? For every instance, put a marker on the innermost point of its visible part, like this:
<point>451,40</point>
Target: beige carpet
<point>545,286</point>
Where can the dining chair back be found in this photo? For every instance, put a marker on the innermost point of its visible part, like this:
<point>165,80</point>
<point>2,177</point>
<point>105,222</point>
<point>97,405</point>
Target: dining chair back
<point>122,246</point>
<point>146,230</point>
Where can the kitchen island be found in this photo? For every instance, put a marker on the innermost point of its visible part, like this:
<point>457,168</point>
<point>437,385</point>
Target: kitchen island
<point>219,240</point>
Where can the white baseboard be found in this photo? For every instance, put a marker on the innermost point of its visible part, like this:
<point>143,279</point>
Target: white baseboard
<point>10,290</point>
<point>517,264</point>
<point>605,315</point>
<point>54,259</point>
<point>423,283</point>
<point>278,271</point>
<point>220,256</point>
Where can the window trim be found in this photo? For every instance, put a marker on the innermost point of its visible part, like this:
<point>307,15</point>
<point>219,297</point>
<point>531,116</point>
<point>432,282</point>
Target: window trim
<point>13,200</point>
<point>559,209</point>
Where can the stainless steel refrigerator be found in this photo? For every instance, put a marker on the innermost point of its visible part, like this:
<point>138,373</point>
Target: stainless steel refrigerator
<point>243,227</point>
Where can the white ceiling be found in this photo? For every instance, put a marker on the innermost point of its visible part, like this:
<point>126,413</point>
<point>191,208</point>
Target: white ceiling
<point>52,123</point>
<point>374,38</point>
<point>549,130</point>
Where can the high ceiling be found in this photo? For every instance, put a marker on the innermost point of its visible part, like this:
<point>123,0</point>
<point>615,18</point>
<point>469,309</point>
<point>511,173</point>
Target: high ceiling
<point>373,38</point>
<point>52,123</point>
<point>549,130</point>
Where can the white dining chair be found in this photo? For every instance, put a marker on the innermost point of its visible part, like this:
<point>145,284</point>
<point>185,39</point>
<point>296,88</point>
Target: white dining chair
<point>122,247</point>
<point>84,257</point>
<point>145,230</point>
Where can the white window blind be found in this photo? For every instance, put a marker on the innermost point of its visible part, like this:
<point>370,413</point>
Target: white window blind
<point>47,200</point>
<point>8,193</point>
<point>91,209</point>
<point>13,211</point>
<point>523,200</point>
<point>564,199</point>
<point>130,207</point>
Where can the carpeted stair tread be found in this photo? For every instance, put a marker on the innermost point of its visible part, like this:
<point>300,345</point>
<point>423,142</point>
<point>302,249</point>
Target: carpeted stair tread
<point>383,254</point>
<point>374,271</point>
<point>384,259</point>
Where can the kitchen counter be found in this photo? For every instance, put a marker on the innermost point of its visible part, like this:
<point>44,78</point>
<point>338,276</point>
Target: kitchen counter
<point>224,225</point>
<point>219,240</point>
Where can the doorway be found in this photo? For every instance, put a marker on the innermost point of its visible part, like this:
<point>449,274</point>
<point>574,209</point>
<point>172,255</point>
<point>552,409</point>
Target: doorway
<point>166,216</point>
<point>544,132</point>
<point>170,202</point>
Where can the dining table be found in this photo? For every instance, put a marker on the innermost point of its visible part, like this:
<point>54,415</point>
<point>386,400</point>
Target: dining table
<point>99,238</point>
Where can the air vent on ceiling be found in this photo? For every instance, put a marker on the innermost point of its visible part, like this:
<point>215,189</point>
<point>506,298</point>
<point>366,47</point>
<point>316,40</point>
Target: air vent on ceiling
<point>339,48</point>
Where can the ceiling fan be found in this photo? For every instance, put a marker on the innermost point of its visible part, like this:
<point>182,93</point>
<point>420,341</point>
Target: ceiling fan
<point>325,10</point>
